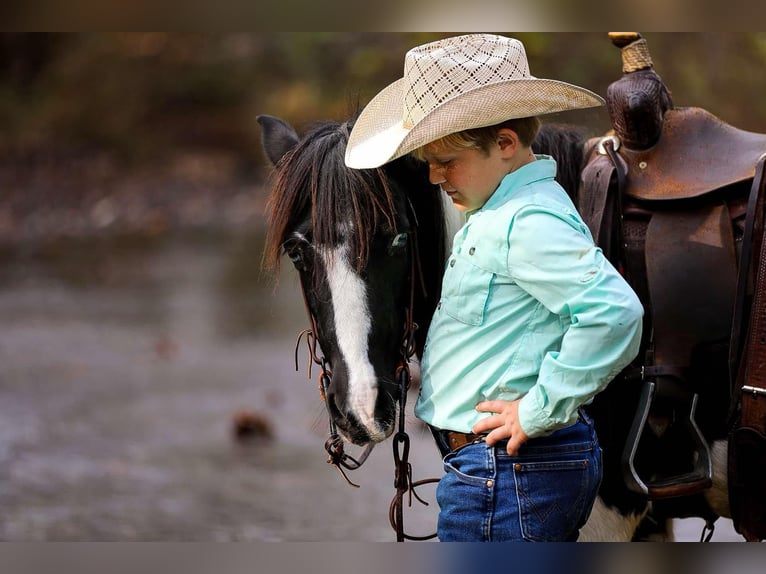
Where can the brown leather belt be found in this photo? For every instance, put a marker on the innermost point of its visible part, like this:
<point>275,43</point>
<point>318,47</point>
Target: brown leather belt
<point>457,440</point>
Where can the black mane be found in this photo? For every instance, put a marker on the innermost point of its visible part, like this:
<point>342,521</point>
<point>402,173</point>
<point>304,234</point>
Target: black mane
<point>564,143</point>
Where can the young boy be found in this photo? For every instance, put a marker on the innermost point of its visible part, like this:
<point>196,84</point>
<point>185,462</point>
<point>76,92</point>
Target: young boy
<point>533,320</point>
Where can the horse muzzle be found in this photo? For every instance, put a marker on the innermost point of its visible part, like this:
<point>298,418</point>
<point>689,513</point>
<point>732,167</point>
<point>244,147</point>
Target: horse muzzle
<point>361,422</point>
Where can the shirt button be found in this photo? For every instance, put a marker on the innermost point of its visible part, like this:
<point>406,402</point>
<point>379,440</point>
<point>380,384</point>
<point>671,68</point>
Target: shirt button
<point>452,263</point>
<point>489,484</point>
<point>439,306</point>
<point>471,251</point>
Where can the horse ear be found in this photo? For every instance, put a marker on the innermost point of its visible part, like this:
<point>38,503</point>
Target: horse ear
<point>277,137</point>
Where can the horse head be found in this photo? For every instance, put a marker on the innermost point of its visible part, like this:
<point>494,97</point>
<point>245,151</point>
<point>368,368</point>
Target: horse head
<point>353,236</point>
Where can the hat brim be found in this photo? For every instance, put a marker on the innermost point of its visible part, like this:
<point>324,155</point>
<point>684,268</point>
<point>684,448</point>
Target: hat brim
<point>379,135</point>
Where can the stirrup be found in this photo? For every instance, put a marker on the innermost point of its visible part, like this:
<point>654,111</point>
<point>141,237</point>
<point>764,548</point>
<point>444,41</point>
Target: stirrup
<point>694,481</point>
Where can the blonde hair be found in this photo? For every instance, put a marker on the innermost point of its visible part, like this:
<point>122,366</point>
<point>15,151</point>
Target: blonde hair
<point>483,138</point>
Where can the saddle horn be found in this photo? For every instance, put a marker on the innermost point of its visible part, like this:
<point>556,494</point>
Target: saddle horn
<point>637,102</point>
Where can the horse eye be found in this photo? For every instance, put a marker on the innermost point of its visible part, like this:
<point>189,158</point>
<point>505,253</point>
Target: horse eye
<point>294,249</point>
<point>296,256</point>
<point>397,243</point>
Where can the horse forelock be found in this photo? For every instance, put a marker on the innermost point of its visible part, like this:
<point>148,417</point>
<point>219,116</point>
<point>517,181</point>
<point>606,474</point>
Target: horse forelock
<point>312,187</point>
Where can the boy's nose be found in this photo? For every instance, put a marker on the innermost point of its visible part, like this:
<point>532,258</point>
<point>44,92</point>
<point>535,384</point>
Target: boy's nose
<point>435,174</point>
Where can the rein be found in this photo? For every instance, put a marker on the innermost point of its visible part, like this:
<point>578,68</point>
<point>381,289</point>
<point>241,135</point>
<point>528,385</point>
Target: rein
<point>401,441</point>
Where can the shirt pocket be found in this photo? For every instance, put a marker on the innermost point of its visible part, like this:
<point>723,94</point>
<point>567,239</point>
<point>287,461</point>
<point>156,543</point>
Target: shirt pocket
<point>466,291</point>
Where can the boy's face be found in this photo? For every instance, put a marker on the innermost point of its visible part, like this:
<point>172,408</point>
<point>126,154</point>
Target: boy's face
<point>469,175</point>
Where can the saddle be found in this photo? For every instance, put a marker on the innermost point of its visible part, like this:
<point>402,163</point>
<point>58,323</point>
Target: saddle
<point>675,199</point>
<point>671,230</point>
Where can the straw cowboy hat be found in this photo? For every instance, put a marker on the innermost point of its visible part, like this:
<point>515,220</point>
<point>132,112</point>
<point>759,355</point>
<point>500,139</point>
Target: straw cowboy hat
<point>453,85</point>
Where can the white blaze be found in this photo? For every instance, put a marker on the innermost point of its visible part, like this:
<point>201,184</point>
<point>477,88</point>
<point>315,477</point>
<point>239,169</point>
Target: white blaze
<point>352,327</point>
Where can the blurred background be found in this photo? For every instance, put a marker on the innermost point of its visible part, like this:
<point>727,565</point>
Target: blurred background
<point>147,380</point>
<point>156,132</point>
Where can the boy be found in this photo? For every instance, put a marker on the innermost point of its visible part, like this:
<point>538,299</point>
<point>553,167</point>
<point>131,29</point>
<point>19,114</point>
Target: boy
<point>533,320</point>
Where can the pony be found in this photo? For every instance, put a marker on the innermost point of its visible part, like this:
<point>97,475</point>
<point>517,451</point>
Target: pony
<point>345,231</point>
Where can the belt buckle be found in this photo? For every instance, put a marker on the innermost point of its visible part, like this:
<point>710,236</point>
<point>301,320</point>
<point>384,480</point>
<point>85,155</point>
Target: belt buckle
<point>457,440</point>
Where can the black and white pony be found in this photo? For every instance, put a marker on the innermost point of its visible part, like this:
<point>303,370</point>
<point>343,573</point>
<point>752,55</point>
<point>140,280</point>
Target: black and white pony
<point>346,231</point>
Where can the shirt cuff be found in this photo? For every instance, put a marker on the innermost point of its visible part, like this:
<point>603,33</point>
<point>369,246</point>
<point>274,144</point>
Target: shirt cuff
<point>532,417</point>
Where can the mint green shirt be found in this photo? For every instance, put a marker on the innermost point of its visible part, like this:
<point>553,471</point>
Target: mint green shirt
<point>530,309</point>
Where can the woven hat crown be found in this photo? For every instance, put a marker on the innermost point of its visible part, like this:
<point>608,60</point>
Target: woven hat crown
<point>437,72</point>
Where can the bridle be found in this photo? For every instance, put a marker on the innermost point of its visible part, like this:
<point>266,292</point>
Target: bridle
<point>401,441</point>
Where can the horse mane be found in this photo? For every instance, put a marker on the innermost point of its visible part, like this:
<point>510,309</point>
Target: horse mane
<point>433,237</point>
<point>564,142</point>
<point>312,181</point>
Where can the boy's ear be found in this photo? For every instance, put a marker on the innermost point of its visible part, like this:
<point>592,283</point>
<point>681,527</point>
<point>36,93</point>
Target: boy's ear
<point>508,141</point>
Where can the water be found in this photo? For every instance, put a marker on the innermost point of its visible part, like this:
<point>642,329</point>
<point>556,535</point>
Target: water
<point>124,362</point>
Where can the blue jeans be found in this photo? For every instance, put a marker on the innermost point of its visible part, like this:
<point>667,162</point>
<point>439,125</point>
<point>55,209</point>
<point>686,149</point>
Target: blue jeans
<point>545,493</point>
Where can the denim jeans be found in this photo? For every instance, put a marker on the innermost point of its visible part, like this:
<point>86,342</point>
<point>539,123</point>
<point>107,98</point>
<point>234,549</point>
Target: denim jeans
<point>545,493</point>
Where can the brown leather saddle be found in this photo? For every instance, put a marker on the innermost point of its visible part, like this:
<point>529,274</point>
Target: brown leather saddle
<point>677,201</point>
<point>670,218</point>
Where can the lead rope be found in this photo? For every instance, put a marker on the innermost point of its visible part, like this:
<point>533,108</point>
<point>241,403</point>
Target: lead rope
<point>402,468</point>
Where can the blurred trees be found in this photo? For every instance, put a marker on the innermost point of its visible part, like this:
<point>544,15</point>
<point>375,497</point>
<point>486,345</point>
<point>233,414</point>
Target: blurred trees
<point>154,130</point>
<point>143,96</point>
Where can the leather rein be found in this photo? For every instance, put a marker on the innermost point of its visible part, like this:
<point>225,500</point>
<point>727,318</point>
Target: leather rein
<point>334,444</point>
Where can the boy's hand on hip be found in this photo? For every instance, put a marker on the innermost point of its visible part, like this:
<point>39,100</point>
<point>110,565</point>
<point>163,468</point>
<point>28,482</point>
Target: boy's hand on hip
<point>504,424</point>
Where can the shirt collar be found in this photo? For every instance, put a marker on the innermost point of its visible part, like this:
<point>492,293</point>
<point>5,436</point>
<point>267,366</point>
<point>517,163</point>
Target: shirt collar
<point>543,168</point>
